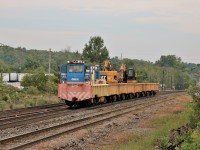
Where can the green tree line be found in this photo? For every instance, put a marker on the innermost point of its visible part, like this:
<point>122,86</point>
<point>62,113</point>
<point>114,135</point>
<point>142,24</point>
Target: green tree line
<point>169,70</point>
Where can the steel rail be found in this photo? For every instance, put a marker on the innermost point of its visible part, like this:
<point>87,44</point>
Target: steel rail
<point>14,112</point>
<point>49,115</point>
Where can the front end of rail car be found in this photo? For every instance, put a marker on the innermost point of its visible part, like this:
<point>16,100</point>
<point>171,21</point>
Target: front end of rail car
<point>75,82</point>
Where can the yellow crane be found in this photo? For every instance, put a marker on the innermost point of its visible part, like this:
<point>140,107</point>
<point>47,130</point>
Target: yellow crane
<point>108,73</point>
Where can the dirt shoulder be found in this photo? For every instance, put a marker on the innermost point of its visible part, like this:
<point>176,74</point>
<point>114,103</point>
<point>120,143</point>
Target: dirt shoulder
<point>119,130</point>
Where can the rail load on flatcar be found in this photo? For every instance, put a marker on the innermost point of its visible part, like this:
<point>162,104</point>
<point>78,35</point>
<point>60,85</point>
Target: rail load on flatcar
<point>82,84</point>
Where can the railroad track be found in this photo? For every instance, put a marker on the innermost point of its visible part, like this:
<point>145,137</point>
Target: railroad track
<point>31,117</point>
<point>28,119</point>
<point>53,112</point>
<point>32,138</point>
<point>43,113</point>
<point>28,110</point>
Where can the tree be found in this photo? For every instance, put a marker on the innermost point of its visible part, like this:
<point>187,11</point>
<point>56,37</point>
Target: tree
<point>31,63</point>
<point>171,61</point>
<point>36,79</point>
<point>116,62</point>
<point>95,51</point>
<point>3,67</point>
<point>195,114</point>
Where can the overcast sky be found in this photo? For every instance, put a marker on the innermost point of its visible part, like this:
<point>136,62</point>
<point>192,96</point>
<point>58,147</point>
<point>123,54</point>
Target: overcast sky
<point>139,29</point>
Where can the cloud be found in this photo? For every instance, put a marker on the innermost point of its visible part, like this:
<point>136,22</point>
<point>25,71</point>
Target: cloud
<point>42,39</point>
<point>137,27</point>
<point>178,15</point>
<point>116,6</point>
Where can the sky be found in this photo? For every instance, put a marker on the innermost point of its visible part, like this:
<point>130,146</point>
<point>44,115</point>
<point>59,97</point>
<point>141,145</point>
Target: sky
<point>137,29</point>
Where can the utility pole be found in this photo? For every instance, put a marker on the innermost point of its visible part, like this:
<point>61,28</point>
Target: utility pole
<point>122,59</point>
<point>171,82</point>
<point>163,73</point>
<point>49,70</point>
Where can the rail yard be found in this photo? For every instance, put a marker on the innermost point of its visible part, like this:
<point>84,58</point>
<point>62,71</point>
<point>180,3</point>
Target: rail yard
<point>35,126</point>
<point>92,97</point>
<point>99,75</point>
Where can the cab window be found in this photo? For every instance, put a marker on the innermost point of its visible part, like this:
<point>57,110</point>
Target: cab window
<point>87,69</point>
<point>130,73</point>
<point>75,68</point>
<point>64,69</point>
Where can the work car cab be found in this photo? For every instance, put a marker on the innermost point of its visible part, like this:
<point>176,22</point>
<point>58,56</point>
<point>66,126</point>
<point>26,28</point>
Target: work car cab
<point>75,82</point>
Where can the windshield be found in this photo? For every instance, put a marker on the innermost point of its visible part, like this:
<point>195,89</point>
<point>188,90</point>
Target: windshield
<point>130,73</point>
<point>75,68</point>
<point>64,69</point>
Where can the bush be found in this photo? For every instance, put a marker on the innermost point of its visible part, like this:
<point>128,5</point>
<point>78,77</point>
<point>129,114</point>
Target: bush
<point>6,97</point>
<point>195,115</point>
<point>30,103</point>
<point>36,79</point>
<point>2,105</point>
<point>33,90</point>
<point>37,102</point>
<point>163,143</point>
<point>192,140</point>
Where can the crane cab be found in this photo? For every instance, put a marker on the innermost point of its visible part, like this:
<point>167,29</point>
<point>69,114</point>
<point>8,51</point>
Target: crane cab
<point>131,75</point>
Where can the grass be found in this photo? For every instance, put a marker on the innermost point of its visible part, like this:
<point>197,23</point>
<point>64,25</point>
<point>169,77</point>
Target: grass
<point>11,98</point>
<point>162,127</point>
<point>27,100</point>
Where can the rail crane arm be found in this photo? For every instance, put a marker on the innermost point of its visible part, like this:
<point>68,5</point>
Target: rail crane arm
<point>107,66</point>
